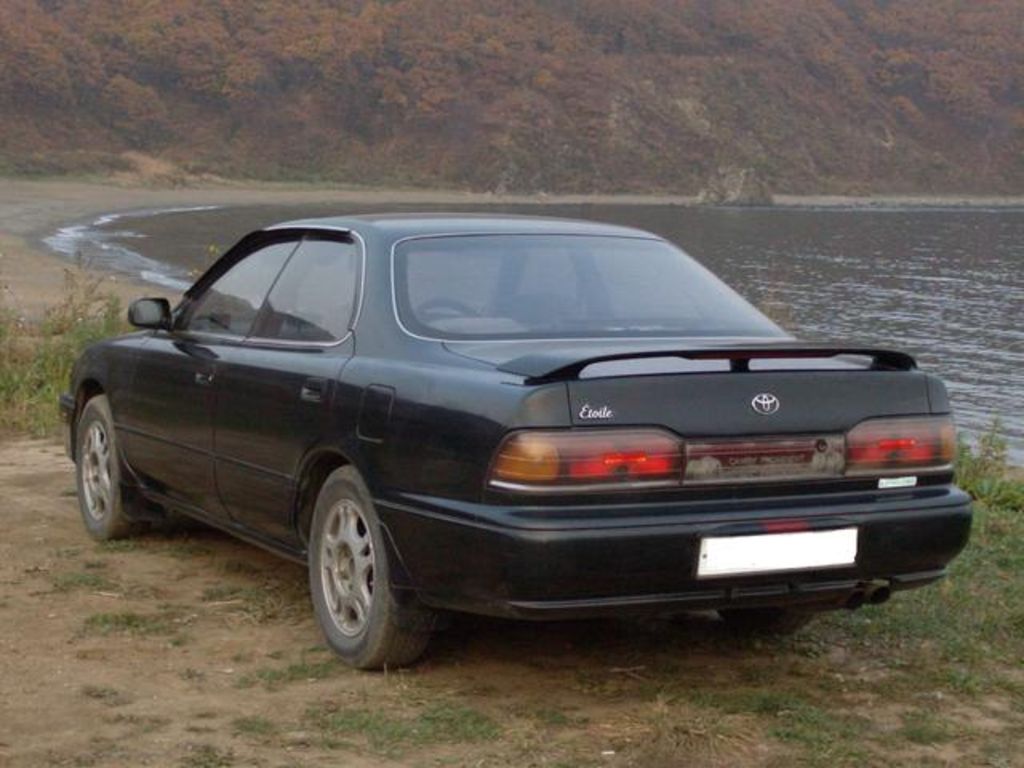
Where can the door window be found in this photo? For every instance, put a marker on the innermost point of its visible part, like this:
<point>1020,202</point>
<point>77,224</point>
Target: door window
<point>314,298</point>
<point>229,306</point>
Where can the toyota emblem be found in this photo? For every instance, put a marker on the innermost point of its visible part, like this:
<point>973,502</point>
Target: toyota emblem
<point>765,403</point>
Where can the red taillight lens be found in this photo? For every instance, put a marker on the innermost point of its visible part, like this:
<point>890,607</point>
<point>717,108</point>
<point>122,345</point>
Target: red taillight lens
<point>556,460</point>
<point>887,446</point>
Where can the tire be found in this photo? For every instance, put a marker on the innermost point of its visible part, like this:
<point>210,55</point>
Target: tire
<point>98,474</point>
<point>766,621</point>
<point>359,613</point>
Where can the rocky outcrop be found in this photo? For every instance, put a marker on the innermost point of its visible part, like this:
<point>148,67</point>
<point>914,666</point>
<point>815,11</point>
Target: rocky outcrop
<point>730,185</point>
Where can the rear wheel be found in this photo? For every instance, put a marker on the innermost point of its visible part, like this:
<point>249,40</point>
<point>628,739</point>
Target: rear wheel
<point>98,474</point>
<point>362,618</point>
<point>766,621</point>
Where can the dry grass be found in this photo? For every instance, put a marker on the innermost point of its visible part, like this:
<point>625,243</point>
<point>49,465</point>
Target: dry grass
<point>36,358</point>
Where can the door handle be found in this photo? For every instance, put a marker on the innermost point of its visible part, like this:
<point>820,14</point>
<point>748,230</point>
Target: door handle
<point>313,390</point>
<point>204,379</point>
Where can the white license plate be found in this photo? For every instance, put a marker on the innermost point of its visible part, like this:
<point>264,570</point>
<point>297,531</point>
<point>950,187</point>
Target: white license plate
<point>768,553</point>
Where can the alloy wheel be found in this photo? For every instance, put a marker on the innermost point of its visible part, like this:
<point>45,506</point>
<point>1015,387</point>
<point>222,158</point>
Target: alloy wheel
<point>347,567</point>
<point>95,469</point>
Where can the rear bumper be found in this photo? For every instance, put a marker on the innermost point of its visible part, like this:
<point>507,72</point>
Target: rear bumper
<point>574,562</point>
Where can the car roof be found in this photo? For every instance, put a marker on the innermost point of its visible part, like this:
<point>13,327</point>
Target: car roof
<point>396,226</point>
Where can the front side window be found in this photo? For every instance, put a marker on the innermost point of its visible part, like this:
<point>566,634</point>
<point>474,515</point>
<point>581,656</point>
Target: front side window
<point>229,306</point>
<point>563,286</point>
<point>314,298</point>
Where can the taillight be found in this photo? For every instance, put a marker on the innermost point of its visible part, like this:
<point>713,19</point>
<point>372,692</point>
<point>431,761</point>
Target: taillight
<point>592,458</point>
<point>632,458</point>
<point>899,445</point>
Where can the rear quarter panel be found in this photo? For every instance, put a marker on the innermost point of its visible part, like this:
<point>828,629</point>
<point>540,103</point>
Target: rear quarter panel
<point>437,432</point>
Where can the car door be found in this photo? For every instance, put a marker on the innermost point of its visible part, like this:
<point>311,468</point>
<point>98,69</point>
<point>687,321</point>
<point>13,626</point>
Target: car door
<point>168,419</point>
<point>275,391</point>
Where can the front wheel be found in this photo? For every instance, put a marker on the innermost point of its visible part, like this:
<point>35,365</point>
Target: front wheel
<point>360,615</point>
<point>98,474</point>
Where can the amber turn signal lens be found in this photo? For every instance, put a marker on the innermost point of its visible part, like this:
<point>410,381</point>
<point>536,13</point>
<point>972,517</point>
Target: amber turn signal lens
<point>527,458</point>
<point>595,458</point>
<point>900,445</point>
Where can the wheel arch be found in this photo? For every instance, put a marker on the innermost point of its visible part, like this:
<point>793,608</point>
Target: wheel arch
<point>87,389</point>
<point>315,469</point>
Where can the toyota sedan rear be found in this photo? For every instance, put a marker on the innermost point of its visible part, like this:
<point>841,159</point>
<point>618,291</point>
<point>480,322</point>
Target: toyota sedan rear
<point>515,416</point>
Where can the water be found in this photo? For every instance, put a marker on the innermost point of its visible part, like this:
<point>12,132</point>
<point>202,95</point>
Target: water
<point>945,284</point>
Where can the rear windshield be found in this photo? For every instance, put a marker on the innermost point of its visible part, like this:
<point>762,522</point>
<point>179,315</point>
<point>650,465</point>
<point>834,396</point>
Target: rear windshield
<point>563,286</point>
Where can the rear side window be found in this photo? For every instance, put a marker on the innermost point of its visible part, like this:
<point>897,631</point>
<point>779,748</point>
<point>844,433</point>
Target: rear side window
<point>229,306</point>
<point>314,298</point>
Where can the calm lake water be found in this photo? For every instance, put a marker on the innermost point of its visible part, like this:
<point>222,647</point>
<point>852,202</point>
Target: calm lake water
<point>944,284</point>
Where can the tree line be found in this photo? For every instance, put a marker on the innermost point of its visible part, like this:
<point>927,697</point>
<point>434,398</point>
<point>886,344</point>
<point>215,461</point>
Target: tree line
<point>847,96</point>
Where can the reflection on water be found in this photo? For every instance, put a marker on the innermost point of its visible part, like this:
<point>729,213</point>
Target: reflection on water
<point>946,285</point>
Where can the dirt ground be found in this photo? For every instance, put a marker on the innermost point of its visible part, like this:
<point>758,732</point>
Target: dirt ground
<point>223,663</point>
<point>193,649</point>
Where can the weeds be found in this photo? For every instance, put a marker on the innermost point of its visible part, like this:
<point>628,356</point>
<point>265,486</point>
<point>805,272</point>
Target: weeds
<point>129,623</point>
<point>119,545</point>
<point>69,582</point>
<point>36,360</point>
<point>982,471</point>
<point>273,678</point>
<point>922,727</point>
<point>253,726</point>
<point>388,733</point>
<point>207,756</point>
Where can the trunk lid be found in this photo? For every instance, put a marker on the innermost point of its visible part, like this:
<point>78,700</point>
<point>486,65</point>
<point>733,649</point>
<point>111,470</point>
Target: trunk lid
<point>717,387</point>
<point>751,403</point>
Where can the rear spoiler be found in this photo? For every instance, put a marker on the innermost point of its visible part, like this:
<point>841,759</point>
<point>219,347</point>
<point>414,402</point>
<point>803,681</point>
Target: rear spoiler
<point>562,364</point>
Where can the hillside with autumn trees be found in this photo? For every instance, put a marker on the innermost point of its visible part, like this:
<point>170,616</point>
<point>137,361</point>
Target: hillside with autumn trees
<point>808,96</point>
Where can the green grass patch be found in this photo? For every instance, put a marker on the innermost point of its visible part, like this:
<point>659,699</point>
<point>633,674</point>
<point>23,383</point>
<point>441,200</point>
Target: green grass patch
<point>82,580</point>
<point>803,719</point>
<point>118,546</point>
<point>129,623</point>
<point>391,733</point>
<point>553,718</point>
<point>207,756</point>
<point>303,670</point>
<point>253,726</point>
<point>924,727</point>
<point>184,548</point>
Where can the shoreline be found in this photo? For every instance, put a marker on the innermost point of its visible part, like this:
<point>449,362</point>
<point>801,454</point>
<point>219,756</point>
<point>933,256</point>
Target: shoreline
<point>31,206</point>
<point>32,275</point>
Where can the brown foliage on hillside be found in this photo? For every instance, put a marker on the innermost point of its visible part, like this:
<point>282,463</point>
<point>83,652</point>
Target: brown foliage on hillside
<point>570,95</point>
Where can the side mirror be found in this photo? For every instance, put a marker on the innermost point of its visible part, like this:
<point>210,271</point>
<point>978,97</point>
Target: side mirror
<point>150,313</point>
